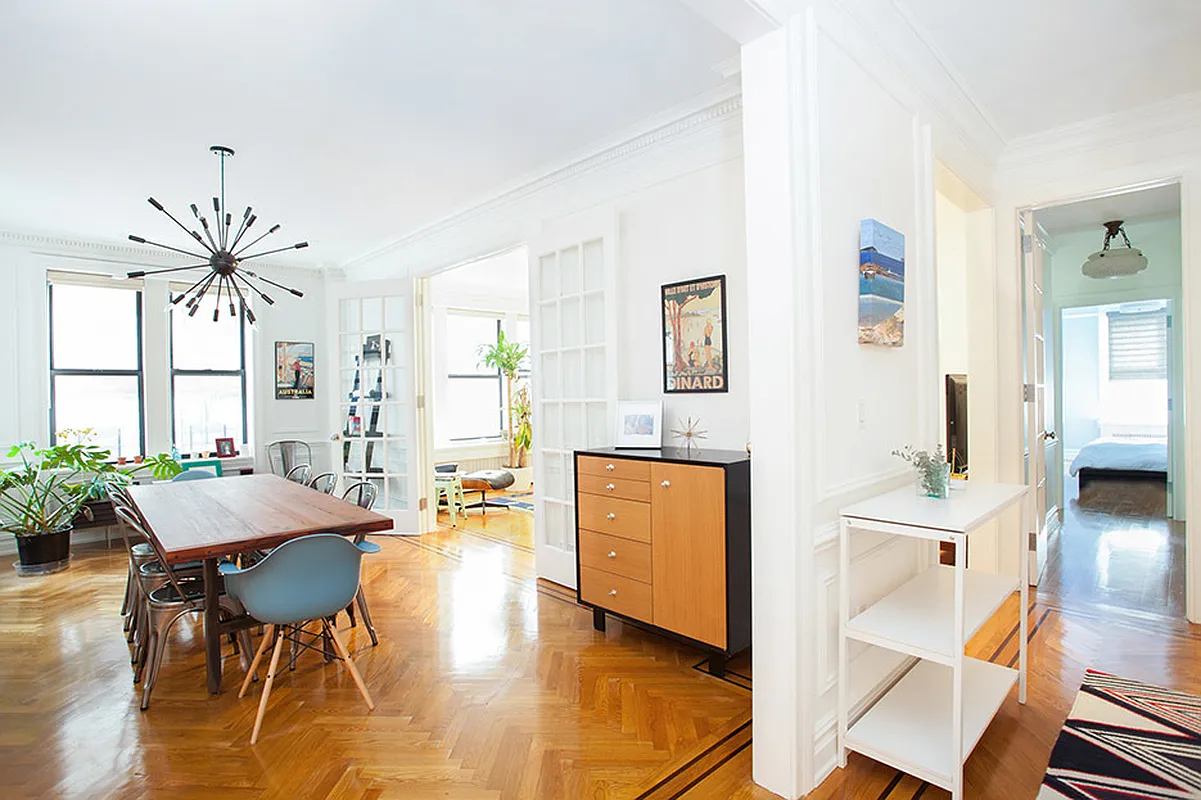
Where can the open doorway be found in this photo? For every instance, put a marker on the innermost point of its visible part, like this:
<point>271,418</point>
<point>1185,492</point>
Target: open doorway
<point>479,383</point>
<point>1114,463</point>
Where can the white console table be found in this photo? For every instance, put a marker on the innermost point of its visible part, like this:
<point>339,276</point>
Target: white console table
<point>929,721</point>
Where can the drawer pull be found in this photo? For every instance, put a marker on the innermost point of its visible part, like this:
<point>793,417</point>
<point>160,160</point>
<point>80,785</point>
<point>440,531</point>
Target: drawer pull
<point>609,467</point>
<point>612,554</point>
<point>612,593</point>
<point>610,487</point>
<point>610,515</point>
<point>665,484</point>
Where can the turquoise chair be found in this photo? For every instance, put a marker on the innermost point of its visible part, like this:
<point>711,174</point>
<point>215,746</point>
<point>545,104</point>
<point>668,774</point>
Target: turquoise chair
<point>304,580</point>
<point>193,475</point>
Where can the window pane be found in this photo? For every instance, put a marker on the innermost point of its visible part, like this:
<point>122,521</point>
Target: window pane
<point>199,343</point>
<point>207,407</point>
<point>94,328</point>
<point>465,334</point>
<point>472,407</point>
<point>106,403</point>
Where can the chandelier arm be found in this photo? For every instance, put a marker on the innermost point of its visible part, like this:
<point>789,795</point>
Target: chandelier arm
<point>266,298</point>
<point>140,240</point>
<point>273,229</point>
<point>217,306</point>
<point>1125,237</point>
<point>217,221</point>
<point>183,227</point>
<point>141,273</point>
<point>297,246</point>
<point>200,293</point>
<point>207,232</point>
<point>241,229</point>
<point>296,292</point>
<point>175,300</point>
<point>233,281</point>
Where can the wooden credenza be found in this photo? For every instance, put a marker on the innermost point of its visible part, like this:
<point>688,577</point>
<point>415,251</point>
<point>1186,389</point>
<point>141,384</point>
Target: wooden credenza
<point>663,538</point>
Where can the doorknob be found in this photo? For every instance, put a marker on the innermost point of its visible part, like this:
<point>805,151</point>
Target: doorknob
<point>612,593</point>
<point>609,467</point>
<point>611,515</point>
<point>1049,435</point>
<point>612,554</point>
<point>610,487</point>
<point>665,484</point>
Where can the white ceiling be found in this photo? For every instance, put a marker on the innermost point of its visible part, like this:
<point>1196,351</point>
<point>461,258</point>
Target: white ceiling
<point>1160,202</point>
<point>354,122</point>
<point>1034,65</point>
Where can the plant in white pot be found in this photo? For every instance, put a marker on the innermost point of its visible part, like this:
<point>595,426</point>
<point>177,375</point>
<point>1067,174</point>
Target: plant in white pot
<point>509,358</point>
<point>41,497</point>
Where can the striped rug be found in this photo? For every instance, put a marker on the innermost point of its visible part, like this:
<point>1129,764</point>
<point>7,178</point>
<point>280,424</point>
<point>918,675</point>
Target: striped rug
<point>1129,740</point>
<point>520,501</point>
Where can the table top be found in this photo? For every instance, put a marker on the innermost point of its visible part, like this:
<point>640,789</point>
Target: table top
<point>208,519</point>
<point>970,504</point>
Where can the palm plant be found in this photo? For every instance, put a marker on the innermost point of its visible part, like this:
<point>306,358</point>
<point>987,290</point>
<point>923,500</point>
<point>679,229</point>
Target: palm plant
<point>508,357</point>
<point>49,487</point>
<point>524,436</point>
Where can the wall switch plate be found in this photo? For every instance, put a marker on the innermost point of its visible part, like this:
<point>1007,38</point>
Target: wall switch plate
<point>862,413</point>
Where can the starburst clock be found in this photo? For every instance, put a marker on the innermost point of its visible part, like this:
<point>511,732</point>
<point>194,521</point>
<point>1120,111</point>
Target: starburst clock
<point>689,433</point>
<point>224,257</point>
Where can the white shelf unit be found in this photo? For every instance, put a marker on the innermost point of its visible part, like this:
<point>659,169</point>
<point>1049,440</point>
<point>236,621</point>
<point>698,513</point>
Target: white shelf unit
<point>928,723</point>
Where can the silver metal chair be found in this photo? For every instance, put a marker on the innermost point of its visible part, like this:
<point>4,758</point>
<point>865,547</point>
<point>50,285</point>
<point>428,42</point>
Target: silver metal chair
<point>325,483</point>
<point>363,495</point>
<point>286,454</point>
<point>299,474</point>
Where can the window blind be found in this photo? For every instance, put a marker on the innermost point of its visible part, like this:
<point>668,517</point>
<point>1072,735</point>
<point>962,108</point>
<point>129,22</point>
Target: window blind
<point>1138,345</point>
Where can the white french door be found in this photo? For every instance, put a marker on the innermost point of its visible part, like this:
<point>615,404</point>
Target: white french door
<point>374,411</point>
<point>1034,392</point>
<point>573,329</point>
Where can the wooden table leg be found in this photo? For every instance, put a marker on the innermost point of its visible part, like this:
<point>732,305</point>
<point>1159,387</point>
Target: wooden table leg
<point>212,626</point>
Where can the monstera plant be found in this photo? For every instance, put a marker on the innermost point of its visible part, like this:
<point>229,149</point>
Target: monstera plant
<point>44,491</point>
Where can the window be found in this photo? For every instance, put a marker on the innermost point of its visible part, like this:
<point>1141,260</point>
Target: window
<point>474,394</point>
<point>208,379</point>
<point>1138,345</point>
<point>96,364</point>
<point>520,333</point>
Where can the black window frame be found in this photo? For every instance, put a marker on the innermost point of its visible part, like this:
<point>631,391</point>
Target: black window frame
<point>139,373</point>
<point>500,390</point>
<point>218,373</point>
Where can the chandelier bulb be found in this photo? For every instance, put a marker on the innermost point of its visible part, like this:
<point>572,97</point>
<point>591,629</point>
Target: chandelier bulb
<point>155,203</point>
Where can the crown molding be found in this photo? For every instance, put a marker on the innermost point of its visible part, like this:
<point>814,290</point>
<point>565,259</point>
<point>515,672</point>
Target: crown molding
<point>1136,125</point>
<point>662,129</point>
<point>121,254</point>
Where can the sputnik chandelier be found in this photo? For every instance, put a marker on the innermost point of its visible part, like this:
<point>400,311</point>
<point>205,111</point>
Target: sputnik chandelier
<point>222,257</point>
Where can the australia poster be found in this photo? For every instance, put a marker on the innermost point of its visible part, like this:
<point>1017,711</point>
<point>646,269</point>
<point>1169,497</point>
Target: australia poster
<point>694,336</point>
<point>881,284</point>
<point>293,370</point>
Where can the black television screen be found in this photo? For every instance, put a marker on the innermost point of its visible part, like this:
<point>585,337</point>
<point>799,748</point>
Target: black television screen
<point>957,423</point>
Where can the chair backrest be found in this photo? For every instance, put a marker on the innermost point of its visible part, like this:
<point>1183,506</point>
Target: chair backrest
<point>299,474</point>
<point>325,483</point>
<point>361,494</point>
<point>193,475</point>
<point>131,517</point>
<point>303,579</point>
<point>284,455</point>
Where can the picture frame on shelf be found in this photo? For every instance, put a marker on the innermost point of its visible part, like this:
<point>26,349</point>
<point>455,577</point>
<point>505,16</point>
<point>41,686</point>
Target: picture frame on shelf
<point>639,424</point>
<point>225,448</point>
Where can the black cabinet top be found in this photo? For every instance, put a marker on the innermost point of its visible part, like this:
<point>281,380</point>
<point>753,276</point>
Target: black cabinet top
<point>678,455</point>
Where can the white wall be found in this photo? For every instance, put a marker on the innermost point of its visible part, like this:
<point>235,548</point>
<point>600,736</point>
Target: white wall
<point>950,238</point>
<point>1081,381</point>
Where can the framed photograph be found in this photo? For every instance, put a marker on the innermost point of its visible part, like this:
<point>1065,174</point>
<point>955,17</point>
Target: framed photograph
<point>640,424</point>
<point>694,336</point>
<point>225,448</point>
<point>881,284</point>
<point>293,370</point>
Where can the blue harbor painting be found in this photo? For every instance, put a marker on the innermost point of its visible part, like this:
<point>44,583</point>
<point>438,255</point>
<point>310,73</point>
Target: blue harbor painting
<point>881,284</point>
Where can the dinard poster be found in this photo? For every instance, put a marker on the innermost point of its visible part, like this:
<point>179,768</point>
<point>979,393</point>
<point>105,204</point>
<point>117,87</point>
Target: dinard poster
<point>694,336</point>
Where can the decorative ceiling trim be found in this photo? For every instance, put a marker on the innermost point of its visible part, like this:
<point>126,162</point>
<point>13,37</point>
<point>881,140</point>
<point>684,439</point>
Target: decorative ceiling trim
<point>662,129</point>
<point>63,246</point>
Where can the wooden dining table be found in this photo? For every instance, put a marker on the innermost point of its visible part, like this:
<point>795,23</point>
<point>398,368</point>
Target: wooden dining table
<point>207,520</point>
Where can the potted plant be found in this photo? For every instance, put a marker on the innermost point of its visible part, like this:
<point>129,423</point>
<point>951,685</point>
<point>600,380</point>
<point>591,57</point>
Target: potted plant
<point>932,472</point>
<point>509,357</point>
<point>41,496</point>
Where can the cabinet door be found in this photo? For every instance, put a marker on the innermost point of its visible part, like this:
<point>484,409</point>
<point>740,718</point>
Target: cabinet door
<point>688,551</point>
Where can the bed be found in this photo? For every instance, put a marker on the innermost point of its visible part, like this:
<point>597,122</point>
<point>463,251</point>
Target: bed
<point>1124,459</point>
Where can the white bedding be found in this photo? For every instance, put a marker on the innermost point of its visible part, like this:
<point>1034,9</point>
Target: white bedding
<point>1141,455</point>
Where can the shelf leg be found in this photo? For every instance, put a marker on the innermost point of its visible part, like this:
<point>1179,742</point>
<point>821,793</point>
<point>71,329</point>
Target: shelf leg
<point>844,608</point>
<point>717,665</point>
<point>598,619</point>
<point>957,670</point>
<point>1024,569</point>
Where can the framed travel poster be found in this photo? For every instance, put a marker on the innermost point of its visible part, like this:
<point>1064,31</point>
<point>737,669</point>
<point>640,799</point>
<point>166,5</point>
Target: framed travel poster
<point>694,336</point>
<point>293,370</point>
<point>881,284</point>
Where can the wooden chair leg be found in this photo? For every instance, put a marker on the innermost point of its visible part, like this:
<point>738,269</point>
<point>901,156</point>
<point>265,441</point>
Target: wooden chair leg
<point>258,659</point>
<point>258,720</point>
<point>350,667</point>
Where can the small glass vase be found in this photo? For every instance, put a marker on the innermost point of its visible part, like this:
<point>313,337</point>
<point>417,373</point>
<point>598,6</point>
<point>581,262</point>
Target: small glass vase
<point>933,481</point>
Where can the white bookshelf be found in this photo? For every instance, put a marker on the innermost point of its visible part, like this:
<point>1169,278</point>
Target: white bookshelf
<point>929,721</point>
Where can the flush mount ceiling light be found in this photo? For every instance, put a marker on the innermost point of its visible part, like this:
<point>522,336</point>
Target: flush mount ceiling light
<point>1114,262</point>
<point>223,258</point>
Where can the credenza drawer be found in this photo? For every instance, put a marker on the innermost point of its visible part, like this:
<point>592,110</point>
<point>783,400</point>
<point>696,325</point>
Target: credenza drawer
<point>616,593</point>
<point>618,556</point>
<point>608,486</point>
<point>626,468</point>
<point>625,518</point>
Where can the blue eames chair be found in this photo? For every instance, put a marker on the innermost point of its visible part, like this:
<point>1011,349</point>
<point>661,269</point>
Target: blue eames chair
<point>307,579</point>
